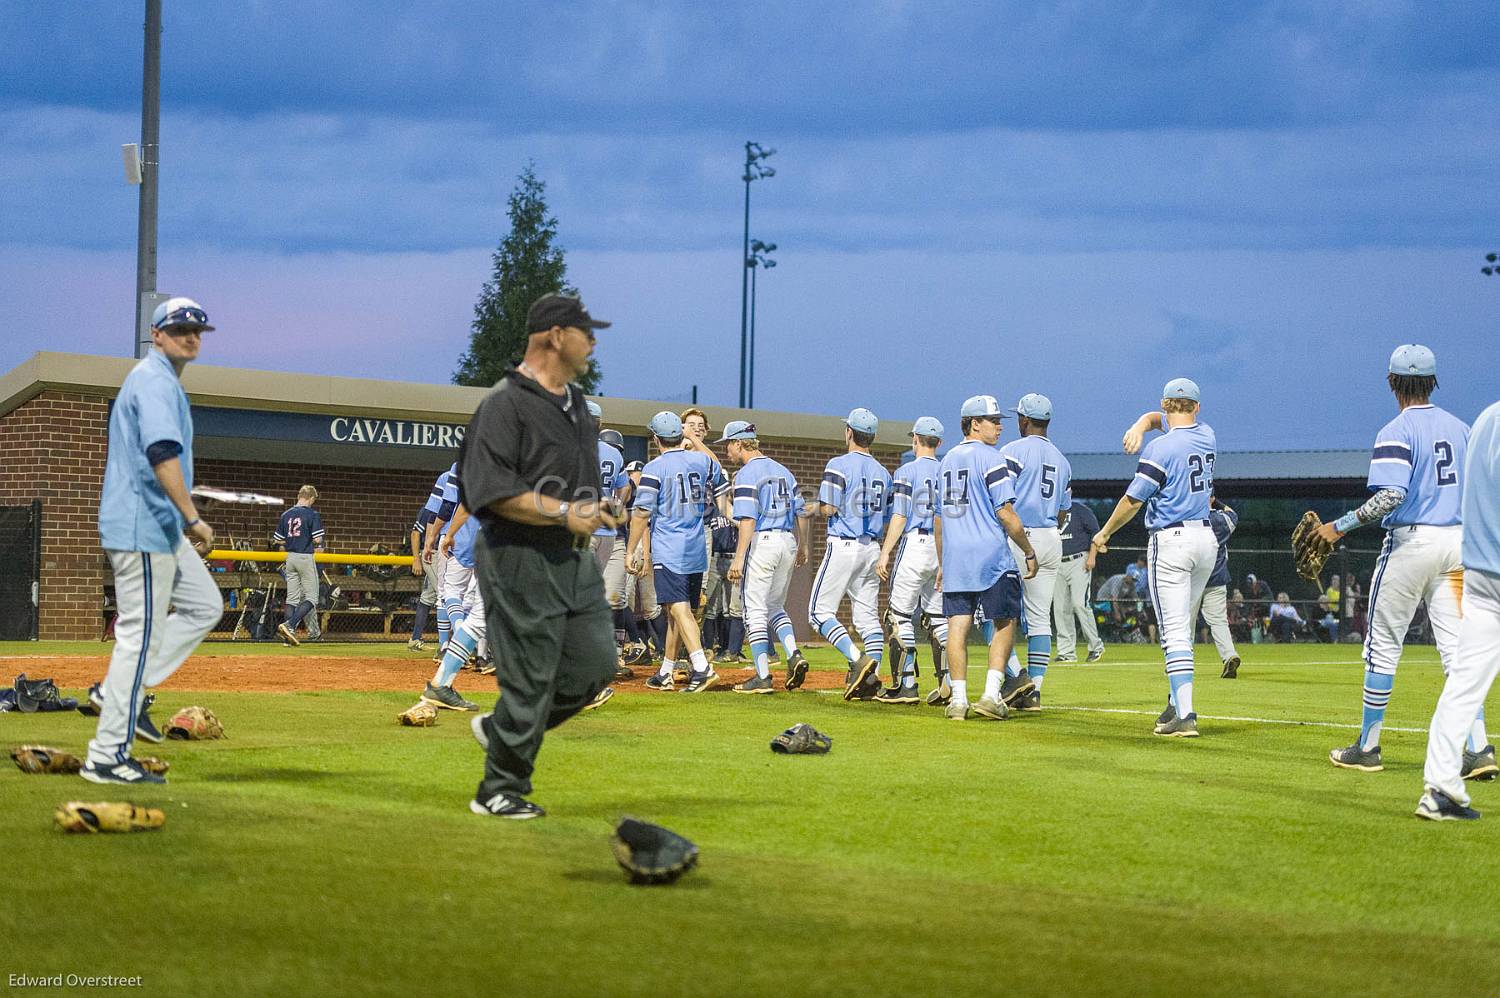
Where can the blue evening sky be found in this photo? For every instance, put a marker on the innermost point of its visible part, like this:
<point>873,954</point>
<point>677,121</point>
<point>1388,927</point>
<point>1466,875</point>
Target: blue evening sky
<point>1083,199</point>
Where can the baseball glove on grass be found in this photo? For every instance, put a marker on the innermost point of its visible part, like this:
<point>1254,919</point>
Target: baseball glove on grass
<point>650,854</point>
<point>107,816</point>
<point>41,759</point>
<point>801,739</point>
<point>193,724</point>
<point>1309,550</point>
<point>419,715</point>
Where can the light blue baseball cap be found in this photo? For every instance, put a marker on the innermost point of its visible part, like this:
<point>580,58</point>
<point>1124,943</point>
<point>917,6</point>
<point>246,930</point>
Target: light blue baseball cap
<point>737,429</point>
<point>1414,358</point>
<point>981,405</point>
<point>862,421</point>
<point>1034,406</point>
<point>927,426</point>
<point>594,408</point>
<point>180,312</point>
<point>1181,388</point>
<point>666,425</point>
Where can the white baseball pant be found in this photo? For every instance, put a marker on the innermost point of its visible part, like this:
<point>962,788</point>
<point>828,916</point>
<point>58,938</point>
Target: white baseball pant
<point>1469,679</point>
<point>150,643</point>
<point>1416,563</point>
<point>1179,561</point>
<point>1216,613</point>
<point>1037,591</point>
<point>1070,605</point>
<point>455,589</point>
<point>602,547</point>
<point>849,568</point>
<point>768,575</point>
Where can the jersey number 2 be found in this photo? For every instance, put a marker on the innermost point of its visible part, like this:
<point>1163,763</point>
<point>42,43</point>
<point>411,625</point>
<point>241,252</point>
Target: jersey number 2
<point>1443,452</point>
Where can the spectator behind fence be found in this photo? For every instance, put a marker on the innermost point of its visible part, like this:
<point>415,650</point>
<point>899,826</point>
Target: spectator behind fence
<point>1285,620</point>
<point>1258,593</point>
<point>1327,624</point>
<point>1141,576</point>
<point>1240,616</point>
<point>1334,594</point>
<point>1118,596</point>
<point>1352,604</point>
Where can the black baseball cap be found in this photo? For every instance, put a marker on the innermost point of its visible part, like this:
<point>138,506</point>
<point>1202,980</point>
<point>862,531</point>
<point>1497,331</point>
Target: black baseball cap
<point>560,310</point>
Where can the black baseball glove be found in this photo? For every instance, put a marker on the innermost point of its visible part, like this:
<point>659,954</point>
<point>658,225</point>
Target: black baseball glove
<point>801,739</point>
<point>650,854</point>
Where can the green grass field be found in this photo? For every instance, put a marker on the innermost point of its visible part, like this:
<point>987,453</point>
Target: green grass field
<point>322,849</point>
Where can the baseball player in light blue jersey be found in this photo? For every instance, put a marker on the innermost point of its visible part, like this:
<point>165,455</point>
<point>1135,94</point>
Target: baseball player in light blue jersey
<point>854,496</point>
<point>468,634</point>
<point>1174,480</point>
<point>772,520</point>
<point>1449,761</point>
<point>976,569</point>
<point>666,538</point>
<point>909,562</point>
<point>611,480</point>
<point>428,566</point>
<point>155,540</point>
<point>1416,475</point>
<point>1043,481</point>
<point>444,503</point>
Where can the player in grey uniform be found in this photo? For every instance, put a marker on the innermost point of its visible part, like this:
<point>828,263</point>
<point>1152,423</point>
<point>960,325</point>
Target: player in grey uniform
<point>1070,600</point>
<point>1215,604</point>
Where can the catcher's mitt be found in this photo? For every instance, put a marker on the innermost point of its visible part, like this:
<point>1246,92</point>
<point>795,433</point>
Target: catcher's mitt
<point>194,723</point>
<point>801,739</point>
<point>107,816</point>
<point>1309,550</point>
<point>41,759</point>
<point>419,715</point>
<point>649,854</point>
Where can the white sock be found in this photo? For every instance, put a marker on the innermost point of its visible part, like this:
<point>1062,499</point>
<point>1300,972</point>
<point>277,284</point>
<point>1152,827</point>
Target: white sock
<point>667,665</point>
<point>1037,682</point>
<point>1185,699</point>
<point>960,690</point>
<point>699,660</point>
<point>992,681</point>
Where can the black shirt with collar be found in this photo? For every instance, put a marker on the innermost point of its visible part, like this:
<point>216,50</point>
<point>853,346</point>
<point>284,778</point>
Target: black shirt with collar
<point>522,439</point>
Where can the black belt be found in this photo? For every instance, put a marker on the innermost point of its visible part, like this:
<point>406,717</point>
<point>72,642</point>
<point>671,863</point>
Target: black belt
<point>775,530</point>
<point>924,531</point>
<point>1187,523</point>
<point>1070,557</point>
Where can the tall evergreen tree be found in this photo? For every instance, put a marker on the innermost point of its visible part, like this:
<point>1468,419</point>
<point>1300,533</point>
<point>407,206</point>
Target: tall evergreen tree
<point>527,265</point>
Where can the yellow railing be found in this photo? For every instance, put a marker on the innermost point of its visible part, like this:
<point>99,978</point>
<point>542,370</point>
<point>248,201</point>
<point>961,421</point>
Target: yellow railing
<point>321,557</point>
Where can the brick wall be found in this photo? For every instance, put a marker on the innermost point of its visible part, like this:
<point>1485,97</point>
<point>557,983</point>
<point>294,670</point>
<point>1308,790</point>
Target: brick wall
<point>54,447</point>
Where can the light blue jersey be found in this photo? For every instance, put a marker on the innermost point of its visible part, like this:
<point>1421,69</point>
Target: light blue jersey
<point>859,489</point>
<point>1421,452</point>
<point>1481,507</point>
<point>445,485</point>
<point>676,489</point>
<point>975,484</point>
<point>1042,479</point>
<point>764,491</point>
<point>611,478</point>
<point>1175,476</point>
<point>914,493</point>
<point>463,542</point>
<point>134,511</point>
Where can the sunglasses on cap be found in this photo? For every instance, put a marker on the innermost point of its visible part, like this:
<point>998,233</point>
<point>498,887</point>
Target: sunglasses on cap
<point>183,317</point>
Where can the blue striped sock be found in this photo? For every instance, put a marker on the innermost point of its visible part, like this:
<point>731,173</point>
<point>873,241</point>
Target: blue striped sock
<point>835,634</point>
<point>1377,694</point>
<point>760,651</point>
<point>459,650</point>
<point>445,629</point>
<point>1038,654</point>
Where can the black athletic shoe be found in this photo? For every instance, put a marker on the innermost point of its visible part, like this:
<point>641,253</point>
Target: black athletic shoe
<point>1028,701</point>
<point>899,694</point>
<point>1167,714</point>
<point>796,670</point>
<point>93,704</point>
<point>1355,757</point>
<point>854,680</point>
<point>1480,765</point>
<point>1095,656</point>
<point>144,728</point>
<point>447,696</point>
<point>1179,727</point>
<point>127,772</point>
<point>1015,687</point>
<point>1231,668</point>
<point>1438,806</point>
<point>701,682</point>
<point>507,806</point>
<point>868,690</point>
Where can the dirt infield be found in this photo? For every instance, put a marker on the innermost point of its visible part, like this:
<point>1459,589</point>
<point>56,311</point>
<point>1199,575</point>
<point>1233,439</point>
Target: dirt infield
<point>280,674</point>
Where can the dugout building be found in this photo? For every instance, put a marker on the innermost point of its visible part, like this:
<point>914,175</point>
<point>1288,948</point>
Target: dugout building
<point>373,448</point>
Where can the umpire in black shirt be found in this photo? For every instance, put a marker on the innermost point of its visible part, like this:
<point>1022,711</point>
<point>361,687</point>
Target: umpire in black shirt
<point>529,470</point>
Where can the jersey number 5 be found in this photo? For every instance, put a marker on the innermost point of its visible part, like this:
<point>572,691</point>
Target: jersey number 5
<point>1049,481</point>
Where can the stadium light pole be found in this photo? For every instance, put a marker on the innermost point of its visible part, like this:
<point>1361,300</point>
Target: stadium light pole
<point>150,157</point>
<point>759,259</point>
<point>754,170</point>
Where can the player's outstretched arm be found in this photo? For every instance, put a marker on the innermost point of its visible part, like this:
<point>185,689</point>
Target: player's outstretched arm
<point>1017,534</point>
<point>1375,509</point>
<point>1137,433</point>
<point>1124,512</point>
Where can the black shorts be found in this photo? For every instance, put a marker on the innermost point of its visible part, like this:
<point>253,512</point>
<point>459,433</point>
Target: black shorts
<point>673,587</point>
<point>1000,602</point>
